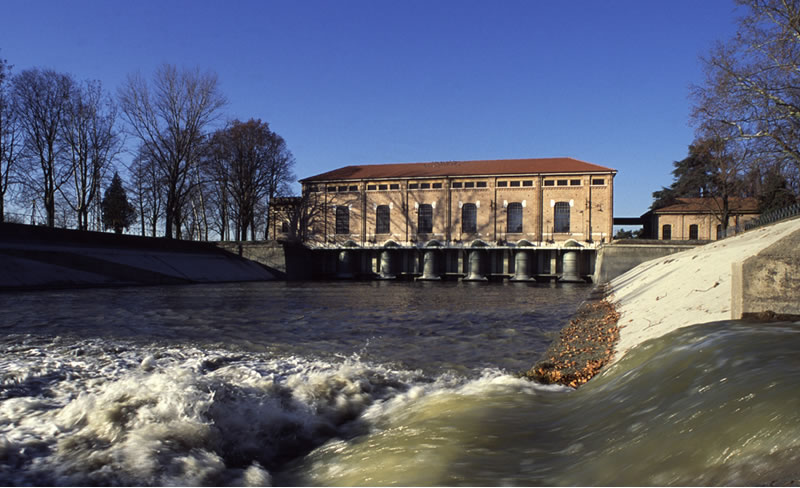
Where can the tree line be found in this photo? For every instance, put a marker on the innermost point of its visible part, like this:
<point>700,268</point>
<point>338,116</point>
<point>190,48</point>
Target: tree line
<point>191,176</point>
<point>747,116</point>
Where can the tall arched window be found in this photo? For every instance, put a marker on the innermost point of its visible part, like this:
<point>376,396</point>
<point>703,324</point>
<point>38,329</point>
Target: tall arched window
<point>666,232</point>
<point>469,218</point>
<point>342,219</point>
<point>382,219</point>
<point>425,219</point>
<point>514,218</point>
<point>693,232</point>
<point>561,218</point>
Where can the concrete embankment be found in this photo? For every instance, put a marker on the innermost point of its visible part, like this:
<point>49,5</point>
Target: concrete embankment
<point>42,258</point>
<point>752,274</point>
<point>755,274</point>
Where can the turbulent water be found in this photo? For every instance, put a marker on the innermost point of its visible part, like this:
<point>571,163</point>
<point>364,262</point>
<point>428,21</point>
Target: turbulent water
<point>376,384</point>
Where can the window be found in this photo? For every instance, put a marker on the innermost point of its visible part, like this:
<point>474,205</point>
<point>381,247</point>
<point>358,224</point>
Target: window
<point>424,186</point>
<point>502,184</point>
<point>481,184</point>
<point>372,187</point>
<point>457,184</point>
<point>693,232</point>
<point>331,188</point>
<point>598,181</point>
<point>561,182</point>
<point>719,231</point>
<point>352,188</point>
<point>413,186</point>
<point>383,187</point>
<point>469,218</point>
<point>394,186</point>
<point>549,183</point>
<point>575,182</point>
<point>342,219</point>
<point>284,227</point>
<point>561,218</point>
<point>437,185</point>
<point>425,219</point>
<point>342,188</point>
<point>312,188</point>
<point>515,183</point>
<point>527,183</point>
<point>514,218</point>
<point>382,219</point>
<point>666,232</point>
<point>469,184</point>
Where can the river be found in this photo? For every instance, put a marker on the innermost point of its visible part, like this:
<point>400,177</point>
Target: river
<point>376,383</point>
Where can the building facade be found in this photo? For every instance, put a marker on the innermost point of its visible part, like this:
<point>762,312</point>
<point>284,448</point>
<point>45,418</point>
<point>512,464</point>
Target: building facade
<point>697,218</point>
<point>531,201</point>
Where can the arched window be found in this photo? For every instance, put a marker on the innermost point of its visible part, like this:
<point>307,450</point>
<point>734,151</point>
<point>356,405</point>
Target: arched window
<point>561,218</point>
<point>425,219</point>
<point>342,219</point>
<point>469,218</point>
<point>666,232</point>
<point>382,219</point>
<point>693,232</point>
<point>514,214</point>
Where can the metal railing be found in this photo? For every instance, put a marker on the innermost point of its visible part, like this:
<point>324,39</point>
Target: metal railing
<point>765,219</point>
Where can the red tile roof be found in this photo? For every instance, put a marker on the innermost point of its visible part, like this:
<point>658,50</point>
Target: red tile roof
<point>707,205</point>
<point>461,168</point>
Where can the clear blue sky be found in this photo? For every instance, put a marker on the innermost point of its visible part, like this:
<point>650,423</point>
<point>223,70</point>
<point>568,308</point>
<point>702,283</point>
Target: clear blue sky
<point>357,82</point>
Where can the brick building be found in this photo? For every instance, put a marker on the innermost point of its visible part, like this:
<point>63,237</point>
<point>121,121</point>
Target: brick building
<point>540,201</point>
<point>697,218</point>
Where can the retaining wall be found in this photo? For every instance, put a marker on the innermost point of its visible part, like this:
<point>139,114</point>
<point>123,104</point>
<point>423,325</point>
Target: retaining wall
<point>769,282</point>
<point>618,257</point>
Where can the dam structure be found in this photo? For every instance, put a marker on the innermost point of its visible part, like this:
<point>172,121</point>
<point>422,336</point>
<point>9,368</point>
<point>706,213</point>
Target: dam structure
<point>517,219</point>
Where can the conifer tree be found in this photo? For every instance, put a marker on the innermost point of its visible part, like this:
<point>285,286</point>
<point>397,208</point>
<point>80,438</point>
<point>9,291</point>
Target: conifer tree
<point>118,213</point>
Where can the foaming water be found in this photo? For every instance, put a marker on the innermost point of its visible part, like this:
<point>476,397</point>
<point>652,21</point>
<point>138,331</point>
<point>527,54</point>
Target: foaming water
<point>180,403</point>
<point>715,404</point>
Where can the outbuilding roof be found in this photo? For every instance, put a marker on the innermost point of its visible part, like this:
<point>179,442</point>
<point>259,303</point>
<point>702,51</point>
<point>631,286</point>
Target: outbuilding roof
<point>461,168</point>
<point>709,205</point>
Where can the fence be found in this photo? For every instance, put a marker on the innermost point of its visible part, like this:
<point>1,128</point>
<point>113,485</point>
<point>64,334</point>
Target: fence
<point>765,219</point>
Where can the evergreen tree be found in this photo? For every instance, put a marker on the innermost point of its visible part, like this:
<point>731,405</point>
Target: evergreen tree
<point>118,213</point>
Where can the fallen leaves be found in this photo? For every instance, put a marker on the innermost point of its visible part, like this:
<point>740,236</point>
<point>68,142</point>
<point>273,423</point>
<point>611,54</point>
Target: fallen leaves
<point>583,347</point>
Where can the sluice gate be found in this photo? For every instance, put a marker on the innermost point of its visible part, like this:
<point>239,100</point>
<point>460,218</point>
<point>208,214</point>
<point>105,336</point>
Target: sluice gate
<point>434,261</point>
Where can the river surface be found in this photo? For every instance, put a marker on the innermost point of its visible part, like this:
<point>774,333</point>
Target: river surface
<point>376,383</point>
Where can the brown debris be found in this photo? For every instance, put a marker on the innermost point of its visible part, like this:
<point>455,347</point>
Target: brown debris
<point>583,347</point>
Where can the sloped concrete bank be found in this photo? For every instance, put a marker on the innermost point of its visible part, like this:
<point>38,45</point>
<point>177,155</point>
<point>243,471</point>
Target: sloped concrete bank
<point>718,281</point>
<point>755,274</point>
<point>33,258</point>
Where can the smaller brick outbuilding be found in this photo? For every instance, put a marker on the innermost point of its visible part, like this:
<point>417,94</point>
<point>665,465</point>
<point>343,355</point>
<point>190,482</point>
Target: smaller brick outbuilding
<point>697,218</point>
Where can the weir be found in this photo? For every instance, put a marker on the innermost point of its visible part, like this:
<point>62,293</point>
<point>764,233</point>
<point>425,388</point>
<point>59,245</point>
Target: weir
<point>436,261</point>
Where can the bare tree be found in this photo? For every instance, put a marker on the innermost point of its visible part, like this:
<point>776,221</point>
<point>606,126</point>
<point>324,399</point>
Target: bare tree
<point>146,191</point>
<point>304,213</point>
<point>10,136</point>
<point>751,81</point>
<point>254,165</point>
<point>91,143</point>
<point>42,100</point>
<point>280,173</point>
<point>170,118</point>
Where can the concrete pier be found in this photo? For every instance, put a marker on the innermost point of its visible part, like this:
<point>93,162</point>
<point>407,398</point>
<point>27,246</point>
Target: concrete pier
<point>475,267</point>
<point>521,262</point>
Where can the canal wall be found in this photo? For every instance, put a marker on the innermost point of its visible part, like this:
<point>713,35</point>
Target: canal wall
<point>620,256</point>
<point>34,257</point>
<point>756,273</point>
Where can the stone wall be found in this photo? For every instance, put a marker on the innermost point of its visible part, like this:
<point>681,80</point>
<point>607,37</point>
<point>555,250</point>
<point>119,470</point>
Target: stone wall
<point>769,282</point>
